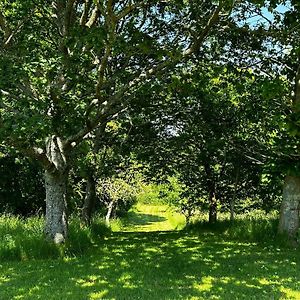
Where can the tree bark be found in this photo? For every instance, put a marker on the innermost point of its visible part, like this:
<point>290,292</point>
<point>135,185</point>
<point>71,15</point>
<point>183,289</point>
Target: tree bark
<point>212,208</point>
<point>90,199</point>
<point>289,213</point>
<point>211,186</point>
<point>56,215</point>
<point>232,201</point>
<point>56,175</point>
<point>109,212</point>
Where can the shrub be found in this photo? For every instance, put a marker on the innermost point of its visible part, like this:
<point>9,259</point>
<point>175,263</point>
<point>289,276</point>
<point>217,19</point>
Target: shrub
<point>118,193</point>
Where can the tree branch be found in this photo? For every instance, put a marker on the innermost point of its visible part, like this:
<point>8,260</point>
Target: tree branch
<point>32,152</point>
<point>114,104</point>
<point>85,12</point>
<point>297,89</point>
<point>110,23</point>
<point>8,32</point>
<point>68,16</point>
<point>3,25</point>
<point>198,42</point>
<point>93,18</point>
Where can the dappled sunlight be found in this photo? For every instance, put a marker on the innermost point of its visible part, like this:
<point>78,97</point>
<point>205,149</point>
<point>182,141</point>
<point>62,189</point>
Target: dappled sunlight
<point>146,264</point>
<point>205,285</point>
<point>290,293</point>
<point>156,263</point>
<point>98,295</point>
<point>135,265</point>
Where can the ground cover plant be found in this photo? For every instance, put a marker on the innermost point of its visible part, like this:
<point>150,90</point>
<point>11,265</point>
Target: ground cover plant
<point>172,264</point>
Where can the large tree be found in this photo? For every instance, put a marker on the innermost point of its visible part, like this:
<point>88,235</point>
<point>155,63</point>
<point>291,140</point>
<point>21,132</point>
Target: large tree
<point>70,66</point>
<point>290,209</point>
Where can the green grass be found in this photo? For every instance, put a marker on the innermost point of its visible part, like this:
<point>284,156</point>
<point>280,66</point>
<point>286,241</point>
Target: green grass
<point>256,226</point>
<point>146,218</point>
<point>24,239</point>
<point>159,265</point>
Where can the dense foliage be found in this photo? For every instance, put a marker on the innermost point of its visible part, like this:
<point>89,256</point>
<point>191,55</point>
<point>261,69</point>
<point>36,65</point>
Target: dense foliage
<point>199,92</point>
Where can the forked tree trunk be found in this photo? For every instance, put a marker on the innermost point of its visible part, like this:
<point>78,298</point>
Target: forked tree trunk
<point>289,213</point>
<point>56,175</point>
<point>89,200</point>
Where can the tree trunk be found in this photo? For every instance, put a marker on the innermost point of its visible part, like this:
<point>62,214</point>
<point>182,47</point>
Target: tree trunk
<point>109,212</point>
<point>56,216</point>
<point>211,187</point>
<point>56,175</point>
<point>289,212</point>
<point>90,199</point>
<point>212,208</point>
<point>232,201</point>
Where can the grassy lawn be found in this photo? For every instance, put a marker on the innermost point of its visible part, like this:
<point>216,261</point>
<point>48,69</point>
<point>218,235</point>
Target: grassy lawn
<point>159,265</point>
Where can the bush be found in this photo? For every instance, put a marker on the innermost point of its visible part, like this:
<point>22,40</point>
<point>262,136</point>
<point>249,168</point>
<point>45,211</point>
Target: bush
<point>119,193</point>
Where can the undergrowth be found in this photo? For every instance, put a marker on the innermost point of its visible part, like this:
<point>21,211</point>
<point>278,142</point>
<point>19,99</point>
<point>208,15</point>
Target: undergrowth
<point>23,239</point>
<point>256,226</point>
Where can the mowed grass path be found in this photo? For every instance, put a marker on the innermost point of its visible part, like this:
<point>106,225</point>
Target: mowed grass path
<point>159,265</point>
<point>147,218</point>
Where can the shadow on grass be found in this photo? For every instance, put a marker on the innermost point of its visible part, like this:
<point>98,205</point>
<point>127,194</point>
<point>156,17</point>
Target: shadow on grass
<point>142,219</point>
<point>159,265</point>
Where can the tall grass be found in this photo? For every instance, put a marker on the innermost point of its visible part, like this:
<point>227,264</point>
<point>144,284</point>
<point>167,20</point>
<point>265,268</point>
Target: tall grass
<point>23,239</point>
<point>255,226</point>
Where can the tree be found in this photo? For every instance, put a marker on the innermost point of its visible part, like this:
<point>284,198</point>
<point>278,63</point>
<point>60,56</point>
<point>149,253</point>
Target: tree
<point>68,67</point>
<point>289,215</point>
<point>218,129</point>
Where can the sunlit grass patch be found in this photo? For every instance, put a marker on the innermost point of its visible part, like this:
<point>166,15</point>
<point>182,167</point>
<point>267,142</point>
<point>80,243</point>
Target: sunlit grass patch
<point>98,295</point>
<point>289,293</point>
<point>145,218</point>
<point>205,285</point>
